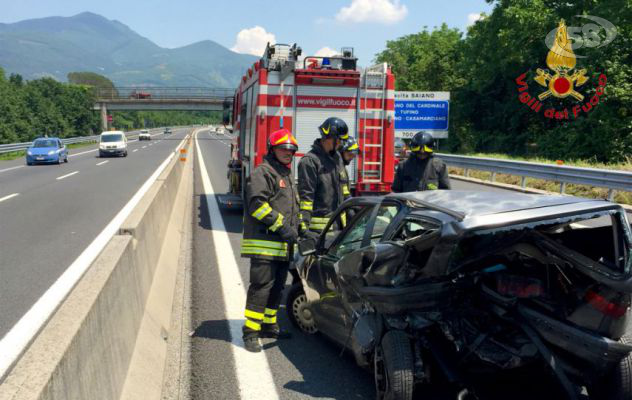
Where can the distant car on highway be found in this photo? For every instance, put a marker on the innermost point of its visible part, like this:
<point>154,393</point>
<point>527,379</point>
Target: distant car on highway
<point>47,150</point>
<point>144,135</point>
<point>167,131</point>
<point>113,143</point>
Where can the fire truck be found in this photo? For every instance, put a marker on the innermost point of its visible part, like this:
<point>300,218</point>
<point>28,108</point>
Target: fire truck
<point>283,91</point>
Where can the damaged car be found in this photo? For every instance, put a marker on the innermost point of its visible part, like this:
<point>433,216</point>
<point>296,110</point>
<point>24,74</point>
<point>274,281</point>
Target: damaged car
<point>444,286</point>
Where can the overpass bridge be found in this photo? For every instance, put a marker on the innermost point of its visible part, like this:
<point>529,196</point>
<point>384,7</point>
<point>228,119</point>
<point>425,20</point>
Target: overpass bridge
<point>152,98</point>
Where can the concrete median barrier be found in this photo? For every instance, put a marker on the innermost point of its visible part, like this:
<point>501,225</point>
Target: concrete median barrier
<point>85,349</point>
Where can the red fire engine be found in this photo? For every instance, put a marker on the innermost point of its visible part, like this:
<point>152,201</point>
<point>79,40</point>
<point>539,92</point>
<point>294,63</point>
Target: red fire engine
<point>278,91</point>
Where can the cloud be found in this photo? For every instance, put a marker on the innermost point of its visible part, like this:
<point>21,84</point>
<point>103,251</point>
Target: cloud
<point>472,18</point>
<point>326,52</point>
<point>253,41</point>
<point>381,11</point>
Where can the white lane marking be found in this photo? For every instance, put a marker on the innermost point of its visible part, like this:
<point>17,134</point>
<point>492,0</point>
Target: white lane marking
<point>103,162</point>
<point>134,151</point>
<point>9,169</point>
<point>8,197</point>
<point>252,369</point>
<point>67,175</point>
<point>22,333</point>
<point>144,147</point>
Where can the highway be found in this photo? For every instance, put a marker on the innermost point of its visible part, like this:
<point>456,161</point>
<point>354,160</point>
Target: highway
<point>49,214</point>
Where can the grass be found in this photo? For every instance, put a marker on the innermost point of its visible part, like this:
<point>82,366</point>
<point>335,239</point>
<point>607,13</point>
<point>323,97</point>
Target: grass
<point>551,186</point>
<point>19,154</point>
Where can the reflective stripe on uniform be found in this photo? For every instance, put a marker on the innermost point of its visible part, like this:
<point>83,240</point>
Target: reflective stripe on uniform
<point>345,190</point>
<point>277,224</point>
<point>255,326</point>
<point>270,316</point>
<point>264,248</point>
<point>262,211</point>
<point>343,219</point>
<point>307,205</point>
<point>264,243</point>
<point>254,314</point>
<point>318,223</point>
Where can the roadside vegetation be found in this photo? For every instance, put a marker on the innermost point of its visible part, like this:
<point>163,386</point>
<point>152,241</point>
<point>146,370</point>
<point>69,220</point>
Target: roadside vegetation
<point>479,68</point>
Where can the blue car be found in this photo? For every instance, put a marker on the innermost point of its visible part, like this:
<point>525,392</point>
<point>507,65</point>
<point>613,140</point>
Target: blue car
<point>47,150</point>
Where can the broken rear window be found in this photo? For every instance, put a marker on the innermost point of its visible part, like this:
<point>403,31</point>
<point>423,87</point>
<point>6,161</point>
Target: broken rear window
<point>603,237</point>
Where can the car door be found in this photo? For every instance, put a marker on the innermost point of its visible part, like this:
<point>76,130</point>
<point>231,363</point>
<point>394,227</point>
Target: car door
<point>367,226</point>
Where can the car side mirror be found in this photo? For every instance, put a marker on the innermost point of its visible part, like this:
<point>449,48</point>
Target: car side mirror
<point>307,246</point>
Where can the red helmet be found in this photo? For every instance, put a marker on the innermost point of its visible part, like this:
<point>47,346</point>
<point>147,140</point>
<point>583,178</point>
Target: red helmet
<point>282,138</point>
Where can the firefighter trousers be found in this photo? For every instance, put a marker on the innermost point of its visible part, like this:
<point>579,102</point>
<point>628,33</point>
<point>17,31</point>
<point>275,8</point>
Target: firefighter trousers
<point>267,280</point>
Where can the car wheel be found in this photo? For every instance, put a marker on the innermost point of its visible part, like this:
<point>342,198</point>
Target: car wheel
<point>59,160</point>
<point>66,159</point>
<point>617,384</point>
<point>298,310</point>
<point>393,367</point>
<point>125,154</point>
<point>29,163</point>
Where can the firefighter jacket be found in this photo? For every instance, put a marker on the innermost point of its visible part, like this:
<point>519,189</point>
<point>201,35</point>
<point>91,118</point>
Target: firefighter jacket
<point>320,176</point>
<point>271,201</point>
<point>416,174</point>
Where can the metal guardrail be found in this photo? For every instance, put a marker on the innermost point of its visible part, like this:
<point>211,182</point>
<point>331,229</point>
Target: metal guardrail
<point>161,93</point>
<point>610,179</point>
<point>9,148</point>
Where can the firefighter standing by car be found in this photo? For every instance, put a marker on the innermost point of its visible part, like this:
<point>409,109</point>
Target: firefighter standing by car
<point>421,171</point>
<point>271,228</point>
<point>320,175</point>
<point>348,151</point>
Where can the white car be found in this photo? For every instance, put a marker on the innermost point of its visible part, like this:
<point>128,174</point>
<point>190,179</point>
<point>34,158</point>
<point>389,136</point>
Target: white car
<point>113,143</point>
<point>144,135</point>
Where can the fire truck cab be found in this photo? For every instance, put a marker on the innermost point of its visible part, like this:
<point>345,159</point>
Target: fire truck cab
<point>283,91</point>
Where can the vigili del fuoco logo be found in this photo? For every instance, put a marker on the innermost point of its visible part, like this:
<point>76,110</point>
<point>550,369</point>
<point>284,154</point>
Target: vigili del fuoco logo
<point>561,80</point>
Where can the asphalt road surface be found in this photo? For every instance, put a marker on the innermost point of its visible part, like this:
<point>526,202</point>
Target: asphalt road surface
<point>50,213</point>
<point>304,367</point>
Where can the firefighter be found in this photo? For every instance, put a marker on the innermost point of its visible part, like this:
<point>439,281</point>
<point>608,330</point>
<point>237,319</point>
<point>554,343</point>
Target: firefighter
<point>271,223</point>
<point>320,174</point>
<point>348,151</point>
<point>421,171</point>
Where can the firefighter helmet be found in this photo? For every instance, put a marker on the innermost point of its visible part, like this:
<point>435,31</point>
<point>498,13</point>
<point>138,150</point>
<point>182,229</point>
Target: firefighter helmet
<point>334,127</point>
<point>350,145</point>
<point>422,142</point>
<point>282,138</point>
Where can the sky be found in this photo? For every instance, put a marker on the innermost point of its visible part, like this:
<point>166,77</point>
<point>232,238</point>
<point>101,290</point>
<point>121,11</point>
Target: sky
<point>319,27</point>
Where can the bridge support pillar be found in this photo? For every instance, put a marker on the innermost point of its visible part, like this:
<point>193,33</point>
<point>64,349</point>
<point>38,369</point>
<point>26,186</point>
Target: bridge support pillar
<point>104,117</point>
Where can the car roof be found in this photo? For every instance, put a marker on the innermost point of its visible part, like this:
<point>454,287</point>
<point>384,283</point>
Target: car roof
<point>47,138</point>
<point>478,203</point>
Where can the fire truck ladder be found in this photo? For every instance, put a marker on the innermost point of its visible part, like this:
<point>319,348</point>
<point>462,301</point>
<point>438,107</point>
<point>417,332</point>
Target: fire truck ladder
<point>373,136</point>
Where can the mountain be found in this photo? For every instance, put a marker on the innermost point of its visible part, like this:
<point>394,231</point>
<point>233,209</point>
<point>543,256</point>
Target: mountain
<point>55,46</point>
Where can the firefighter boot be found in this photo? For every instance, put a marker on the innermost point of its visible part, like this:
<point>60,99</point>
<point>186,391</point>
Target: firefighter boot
<point>252,344</point>
<point>273,331</point>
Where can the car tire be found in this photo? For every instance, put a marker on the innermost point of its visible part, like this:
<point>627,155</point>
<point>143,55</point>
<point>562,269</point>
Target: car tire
<point>393,367</point>
<point>29,163</point>
<point>125,154</point>
<point>66,159</point>
<point>617,384</point>
<point>59,160</point>
<point>298,310</point>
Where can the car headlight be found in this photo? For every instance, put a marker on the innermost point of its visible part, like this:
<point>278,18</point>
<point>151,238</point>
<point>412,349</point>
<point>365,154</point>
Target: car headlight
<point>29,153</point>
<point>50,153</point>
